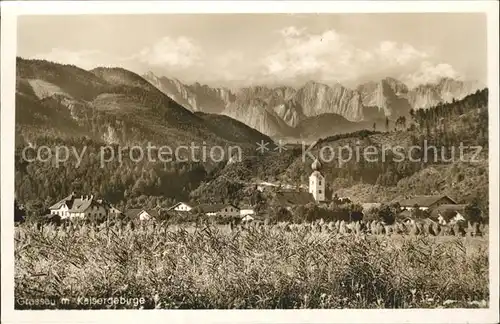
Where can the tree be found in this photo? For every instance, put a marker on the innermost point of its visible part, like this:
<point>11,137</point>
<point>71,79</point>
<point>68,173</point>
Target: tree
<point>356,216</point>
<point>387,124</point>
<point>261,207</point>
<point>311,212</point>
<point>473,212</point>
<point>256,197</point>
<point>356,207</point>
<point>299,214</point>
<point>36,208</point>
<point>19,213</point>
<point>282,215</point>
<point>386,214</point>
<point>374,127</point>
<point>140,186</point>
<point>328,190</point>
<point>401,122</point>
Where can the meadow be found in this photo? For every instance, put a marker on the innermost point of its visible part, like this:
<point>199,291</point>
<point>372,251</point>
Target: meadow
<point>263,267</point>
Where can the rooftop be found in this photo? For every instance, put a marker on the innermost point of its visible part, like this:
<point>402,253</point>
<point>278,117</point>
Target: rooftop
<point>448,210</point>
<point>182,202</point>
<point>424,201</point>
<point>289,198</point>
<point>212,208</point>
<point>134,212</point>
<point>78,203</point>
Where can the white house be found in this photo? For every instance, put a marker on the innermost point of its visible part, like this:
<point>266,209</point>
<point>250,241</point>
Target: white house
<point>145,215</point>
<point>247,218</point>
<point>80,207</point>
<point>142,214</point>
<point>246,210</point>
<point>181,207</point>
<point>225,210</point>
<point>317,183</point>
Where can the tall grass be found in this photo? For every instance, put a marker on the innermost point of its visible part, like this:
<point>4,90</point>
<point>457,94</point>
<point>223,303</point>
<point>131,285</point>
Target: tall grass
<point>264,267</point>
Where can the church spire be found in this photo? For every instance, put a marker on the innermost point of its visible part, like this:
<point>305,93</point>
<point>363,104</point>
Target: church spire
<point>317,182</point>
<point>316,165</point>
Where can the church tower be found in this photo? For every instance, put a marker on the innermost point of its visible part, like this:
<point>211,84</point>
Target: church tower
<point>317,182</point>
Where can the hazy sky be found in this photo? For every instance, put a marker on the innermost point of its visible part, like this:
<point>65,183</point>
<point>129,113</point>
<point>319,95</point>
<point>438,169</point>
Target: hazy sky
<point>246,49</point>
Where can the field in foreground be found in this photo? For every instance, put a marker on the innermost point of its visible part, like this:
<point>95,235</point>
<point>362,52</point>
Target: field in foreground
<point>265,267</point>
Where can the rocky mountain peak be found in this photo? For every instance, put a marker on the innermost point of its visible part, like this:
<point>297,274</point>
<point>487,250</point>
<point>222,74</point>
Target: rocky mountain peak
<point>318,98</point>
<point>444,90</point>
<point>280,106</point>
<point>398,87</point>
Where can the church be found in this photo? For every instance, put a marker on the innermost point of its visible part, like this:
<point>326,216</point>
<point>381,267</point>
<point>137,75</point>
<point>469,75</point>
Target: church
<point>317,183</point>
<point>316,194</point>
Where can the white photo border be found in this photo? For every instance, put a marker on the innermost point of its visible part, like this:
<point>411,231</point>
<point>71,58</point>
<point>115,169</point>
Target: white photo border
<point>11,10</point>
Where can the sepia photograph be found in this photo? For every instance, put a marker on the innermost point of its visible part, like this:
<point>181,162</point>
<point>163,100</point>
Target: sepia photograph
<point>251,161</point>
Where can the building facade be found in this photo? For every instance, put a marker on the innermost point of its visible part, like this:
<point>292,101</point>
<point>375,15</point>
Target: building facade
<point>181,207</point>
<point>246,210</point>
<point>426,202</point>
<point>317,183</point>
<point>80,207</point>
<point>224,210</point>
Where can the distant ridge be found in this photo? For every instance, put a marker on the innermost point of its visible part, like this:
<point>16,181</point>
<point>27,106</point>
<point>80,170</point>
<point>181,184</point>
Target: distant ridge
<point>278,112</point>
<point>113,105</point>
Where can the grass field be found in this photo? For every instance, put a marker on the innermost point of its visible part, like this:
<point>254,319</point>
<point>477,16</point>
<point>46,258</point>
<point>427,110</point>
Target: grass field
<point>265,267</point>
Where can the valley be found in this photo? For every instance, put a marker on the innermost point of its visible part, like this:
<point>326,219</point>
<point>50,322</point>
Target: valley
<point>63,104</point>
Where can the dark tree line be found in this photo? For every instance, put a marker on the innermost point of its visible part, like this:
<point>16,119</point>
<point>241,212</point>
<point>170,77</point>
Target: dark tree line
<point>41,184</point>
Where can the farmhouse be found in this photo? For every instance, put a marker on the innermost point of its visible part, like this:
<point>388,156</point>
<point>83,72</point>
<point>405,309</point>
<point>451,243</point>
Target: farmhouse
<point>80,206</point>
<point>226,210</point>
<point>181,207</point>
<point>447,213</point>
<point>426,202</point>
<point>141,214</point>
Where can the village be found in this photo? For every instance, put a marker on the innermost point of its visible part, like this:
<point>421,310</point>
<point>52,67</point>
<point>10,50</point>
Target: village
<point>440,208</point>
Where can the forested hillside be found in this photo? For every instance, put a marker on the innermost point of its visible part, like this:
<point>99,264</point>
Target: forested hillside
<point>111,105</point>
<point>85,111</point>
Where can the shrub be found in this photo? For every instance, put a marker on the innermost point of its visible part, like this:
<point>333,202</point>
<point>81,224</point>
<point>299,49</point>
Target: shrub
<point>386,214</point>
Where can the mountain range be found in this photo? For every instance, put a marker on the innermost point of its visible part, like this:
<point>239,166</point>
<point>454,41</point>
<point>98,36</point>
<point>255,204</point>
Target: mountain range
<point>286,112</point>
<point>119,106</point>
